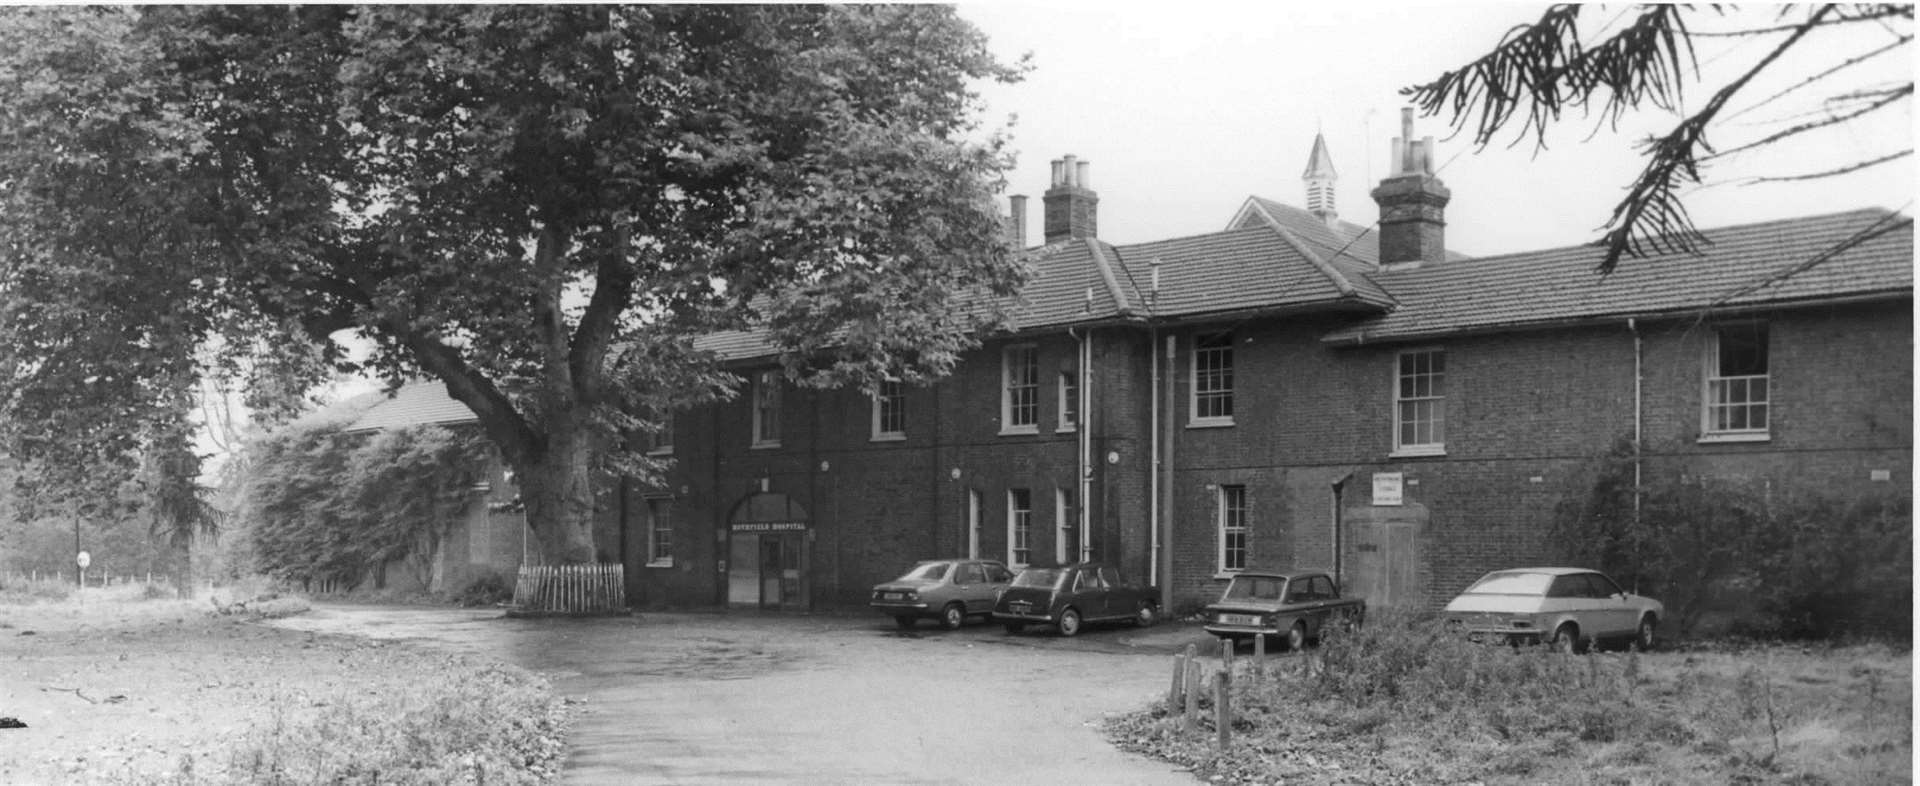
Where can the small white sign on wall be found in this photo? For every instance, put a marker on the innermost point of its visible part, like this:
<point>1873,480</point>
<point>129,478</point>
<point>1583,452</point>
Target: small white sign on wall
<point>1387,488</point>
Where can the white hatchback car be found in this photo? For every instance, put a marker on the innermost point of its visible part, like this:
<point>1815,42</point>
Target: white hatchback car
<point>1568,607</point>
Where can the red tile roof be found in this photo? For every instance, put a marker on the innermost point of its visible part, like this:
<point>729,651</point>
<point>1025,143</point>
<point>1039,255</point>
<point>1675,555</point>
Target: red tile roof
<point>1560,285</point>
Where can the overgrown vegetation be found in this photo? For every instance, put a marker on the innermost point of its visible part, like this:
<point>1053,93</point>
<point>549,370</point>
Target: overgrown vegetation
<point>496,725</point>
<point>1400,701</point>
<point>327,505</point>
<point>1743,556</point>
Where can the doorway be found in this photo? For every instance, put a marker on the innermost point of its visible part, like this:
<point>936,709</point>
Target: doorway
<point>767,554</point>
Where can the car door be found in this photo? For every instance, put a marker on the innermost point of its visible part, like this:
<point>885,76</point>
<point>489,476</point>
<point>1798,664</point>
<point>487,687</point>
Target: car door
<point>1567,599</point>
<point>1616,617</point>
<point>1090,594</point>
<point>1319,600</point>
<point>967,579</point>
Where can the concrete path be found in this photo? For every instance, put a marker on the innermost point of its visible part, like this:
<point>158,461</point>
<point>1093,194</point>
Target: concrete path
<point>758,698</point>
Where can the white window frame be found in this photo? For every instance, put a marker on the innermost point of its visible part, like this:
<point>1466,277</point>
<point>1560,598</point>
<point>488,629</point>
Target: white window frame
<point>1064,522</point>
<point>1019,528</point>
<point>1030,388</point>
<point>766,409</point>
<point>1069,387</point>
<point>1231,521</point>
<point>659,532</point>
<point>973,523</point>
<point>1715,388</point>
<point>660,441</point>
<point>1423,390</point>
<point>889,395</point>
<point>1195,393</point>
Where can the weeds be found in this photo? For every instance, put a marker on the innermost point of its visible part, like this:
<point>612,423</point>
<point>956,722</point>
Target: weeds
<point>1401,701</point>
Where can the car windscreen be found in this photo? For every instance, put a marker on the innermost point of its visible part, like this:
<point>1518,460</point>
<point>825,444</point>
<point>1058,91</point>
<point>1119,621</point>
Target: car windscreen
<point>1511,583</point>
<point>932,571</point>
<point>1039,577</point>
<point>1254,588</point>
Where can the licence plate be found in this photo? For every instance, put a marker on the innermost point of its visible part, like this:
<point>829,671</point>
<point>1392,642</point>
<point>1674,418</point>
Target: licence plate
<point>1021,608</point>
<point>1239,619</point>
<point>893,596</point>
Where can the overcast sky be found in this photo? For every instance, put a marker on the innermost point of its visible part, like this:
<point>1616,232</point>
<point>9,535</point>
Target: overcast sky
<point>1186,109</point>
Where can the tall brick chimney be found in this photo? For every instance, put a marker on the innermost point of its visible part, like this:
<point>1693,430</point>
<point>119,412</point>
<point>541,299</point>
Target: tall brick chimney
<point>1070,206</point>
<point>1413,202</point>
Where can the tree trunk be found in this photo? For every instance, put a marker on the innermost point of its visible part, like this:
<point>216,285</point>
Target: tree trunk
<point>557,490</point>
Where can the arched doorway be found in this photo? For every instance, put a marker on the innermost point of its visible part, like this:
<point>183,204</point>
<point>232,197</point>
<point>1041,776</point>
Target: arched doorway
<point>768,540</point>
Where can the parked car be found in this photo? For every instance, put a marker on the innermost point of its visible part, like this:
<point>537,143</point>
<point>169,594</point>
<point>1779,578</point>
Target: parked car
<point>1567,607</point>
<point>1297,605</point>
<point>1071,596</point>
<point>949,590</point>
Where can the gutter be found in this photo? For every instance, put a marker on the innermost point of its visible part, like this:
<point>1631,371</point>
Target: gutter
<point>1361,337</point>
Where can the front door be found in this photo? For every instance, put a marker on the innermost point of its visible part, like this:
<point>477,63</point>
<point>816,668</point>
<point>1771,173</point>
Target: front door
<point>779,571</point>
<point>1384,546</point>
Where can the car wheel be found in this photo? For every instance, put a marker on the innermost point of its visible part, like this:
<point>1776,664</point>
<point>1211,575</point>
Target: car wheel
<point>1566,638</point>
<point>905,621</point>
<point>1643,639</point>
<point>1069,623</point>
<point>1014,627</point>
<point>952,616</point>
<point>1146,616</point>
<point>1297,637</point>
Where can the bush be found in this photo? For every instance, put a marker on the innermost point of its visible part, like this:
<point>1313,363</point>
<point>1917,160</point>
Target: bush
<point>488,590</point>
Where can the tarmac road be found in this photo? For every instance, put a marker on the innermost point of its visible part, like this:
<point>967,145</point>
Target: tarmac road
<point>816,699</point>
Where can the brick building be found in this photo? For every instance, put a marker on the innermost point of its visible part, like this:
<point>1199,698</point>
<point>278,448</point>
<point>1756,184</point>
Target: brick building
<point>1293,391</point>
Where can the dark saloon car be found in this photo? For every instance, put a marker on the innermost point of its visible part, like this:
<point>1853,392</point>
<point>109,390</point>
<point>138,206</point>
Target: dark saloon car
<point>1071,596</point>
<point>949,590</point>
<point>1294,604</point>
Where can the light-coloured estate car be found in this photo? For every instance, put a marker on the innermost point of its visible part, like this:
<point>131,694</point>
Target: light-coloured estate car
<point>1567,607</point>
<point>949,590</point>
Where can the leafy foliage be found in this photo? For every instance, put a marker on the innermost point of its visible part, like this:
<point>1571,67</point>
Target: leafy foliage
<point>533,204</point>
<point>1703,546</point>
<point>1539,71</point>
<point>325,504</point>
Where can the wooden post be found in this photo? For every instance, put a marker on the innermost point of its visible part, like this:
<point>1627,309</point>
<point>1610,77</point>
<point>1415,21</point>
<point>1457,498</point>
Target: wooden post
<point>1173,691</point>
<point>1259,657</point>
<point>1222,715</point>
<point>1226,656</point>
<point>1193,696</point>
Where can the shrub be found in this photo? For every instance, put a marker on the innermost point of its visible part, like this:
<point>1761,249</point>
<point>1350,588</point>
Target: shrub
<point>488,590</point>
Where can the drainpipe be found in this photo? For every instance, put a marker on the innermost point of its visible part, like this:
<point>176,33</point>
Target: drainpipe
<point>1638,424</point>
<point>1166,539</point>
<point>1085,429</point>
<point>1338,531</point>
<point>1153,462</point>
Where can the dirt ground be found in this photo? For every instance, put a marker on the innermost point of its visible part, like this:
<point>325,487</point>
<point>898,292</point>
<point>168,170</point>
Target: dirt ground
<point>137,691</point>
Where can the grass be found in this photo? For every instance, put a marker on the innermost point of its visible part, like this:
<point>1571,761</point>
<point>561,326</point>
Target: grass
<point>497,725</point>
<point>399,716</point>
<point>1402,702</point>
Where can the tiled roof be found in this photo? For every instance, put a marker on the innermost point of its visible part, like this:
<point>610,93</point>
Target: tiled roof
<point>1561,285</point>
<point>1253,268</point>
<point>414,404</point>
<point>1343,242</point>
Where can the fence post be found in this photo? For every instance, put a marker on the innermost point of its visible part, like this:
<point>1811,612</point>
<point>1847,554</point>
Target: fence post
<point>1192,692</point>
<point>1226,655</point>
<point>1173,690</point>
<point>1222,714</point>
<point>1260,656</point>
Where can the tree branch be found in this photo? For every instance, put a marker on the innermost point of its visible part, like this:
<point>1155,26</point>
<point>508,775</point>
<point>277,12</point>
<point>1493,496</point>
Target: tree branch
<point>1853,167</point>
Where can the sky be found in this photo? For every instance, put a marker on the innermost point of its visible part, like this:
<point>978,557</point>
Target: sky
<point>1186,109</point>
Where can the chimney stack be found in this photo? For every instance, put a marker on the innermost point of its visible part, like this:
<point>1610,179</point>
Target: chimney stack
<point>1017,223</point>
<point>1413,202</point>
<point>1070,206</point>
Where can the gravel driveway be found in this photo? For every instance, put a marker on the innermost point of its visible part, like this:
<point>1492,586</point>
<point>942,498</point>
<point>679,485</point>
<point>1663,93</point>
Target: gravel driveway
<point>758,698</point>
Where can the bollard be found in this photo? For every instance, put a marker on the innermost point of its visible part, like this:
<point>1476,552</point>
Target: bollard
<point>1222,715</point>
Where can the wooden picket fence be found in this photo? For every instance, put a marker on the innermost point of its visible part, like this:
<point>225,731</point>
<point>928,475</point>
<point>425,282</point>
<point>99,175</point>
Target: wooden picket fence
<point>593,588</point>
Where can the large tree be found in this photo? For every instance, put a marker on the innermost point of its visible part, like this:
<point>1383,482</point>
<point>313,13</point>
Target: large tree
<point>537,205</point>
<point>1808,71</point>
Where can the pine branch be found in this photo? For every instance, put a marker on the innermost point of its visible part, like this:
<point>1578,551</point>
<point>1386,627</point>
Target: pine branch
<point>1837,171</point>
<point>1883,99</point>
<point>1652,215</point>
<point>1898,43</point>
